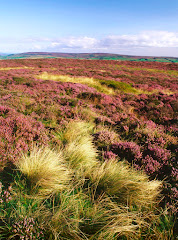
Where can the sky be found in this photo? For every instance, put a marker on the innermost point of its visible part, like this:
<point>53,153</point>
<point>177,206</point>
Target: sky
<point>131,27</point>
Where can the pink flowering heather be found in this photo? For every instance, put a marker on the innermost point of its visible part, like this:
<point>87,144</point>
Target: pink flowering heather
<point>127,150</point>
<point>17,134</point>
<point>28,229</point>
<point>151,165</point>
<point>109,155</point>
<point>5,194</point>
<point>105,138</point>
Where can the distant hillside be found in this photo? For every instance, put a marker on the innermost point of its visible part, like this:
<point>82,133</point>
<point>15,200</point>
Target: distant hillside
<point>3,54</point>
<point>102,56</point>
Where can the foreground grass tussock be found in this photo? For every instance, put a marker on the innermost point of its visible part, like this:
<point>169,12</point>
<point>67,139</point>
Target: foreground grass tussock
<point>70,193</point>
<point>44,169</point>
<point>126,184</point>
<point>79,149</point>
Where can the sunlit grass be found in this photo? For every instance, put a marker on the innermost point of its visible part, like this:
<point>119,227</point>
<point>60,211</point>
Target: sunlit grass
<point>118,86</point>
<point>126,184</point>
<point>79,150</point>
<point>71,193</point>
<point>110,87</point>
<point>115,178</point>
<point>14,68</point>
<point>45,170</point>
<point>90,82</point>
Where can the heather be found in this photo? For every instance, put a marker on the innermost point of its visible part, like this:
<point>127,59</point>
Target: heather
<point>109,128</point>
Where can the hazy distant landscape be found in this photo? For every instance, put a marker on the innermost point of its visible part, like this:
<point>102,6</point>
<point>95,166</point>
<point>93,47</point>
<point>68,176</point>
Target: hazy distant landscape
<point>101,56</point>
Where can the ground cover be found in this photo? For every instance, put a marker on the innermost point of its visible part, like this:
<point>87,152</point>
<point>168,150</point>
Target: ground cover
<point>131,111</point>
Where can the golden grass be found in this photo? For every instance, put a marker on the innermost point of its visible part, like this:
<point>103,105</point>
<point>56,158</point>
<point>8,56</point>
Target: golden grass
<point>80,217</point>
<point>129,186</point>
<point>156,91</point>
<point>95,83</point>
<point>90,82</point>
<point>45,170</point>
<point>79,149</point>
<point>13,68</point>
<point>86,114</point>
<point>117,179</point>
<point>99,200</point>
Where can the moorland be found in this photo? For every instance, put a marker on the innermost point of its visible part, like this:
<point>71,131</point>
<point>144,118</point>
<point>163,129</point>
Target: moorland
<point>88,149</point>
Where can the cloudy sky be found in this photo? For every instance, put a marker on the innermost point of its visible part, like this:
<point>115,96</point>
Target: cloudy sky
<point>132,27</point>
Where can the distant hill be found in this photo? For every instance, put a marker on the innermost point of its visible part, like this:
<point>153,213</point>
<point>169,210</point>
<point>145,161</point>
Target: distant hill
<point>3,54</point>
<point>102,56</point>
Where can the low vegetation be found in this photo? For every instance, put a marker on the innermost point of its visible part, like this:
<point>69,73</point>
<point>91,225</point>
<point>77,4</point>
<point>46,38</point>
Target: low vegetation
<point>71,193</point>
<point>88,150</point>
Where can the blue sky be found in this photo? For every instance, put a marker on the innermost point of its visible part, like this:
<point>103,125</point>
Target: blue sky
<point>133,27</point>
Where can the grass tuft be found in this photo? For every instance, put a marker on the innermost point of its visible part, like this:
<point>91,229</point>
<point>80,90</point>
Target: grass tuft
<point>126,184</point>
<point>45,170</point>
<point>78,148</point>
<point>99,200</point>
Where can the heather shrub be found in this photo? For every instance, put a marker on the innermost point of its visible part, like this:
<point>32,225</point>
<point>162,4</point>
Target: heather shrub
<point>17,134</point>
<point>18,80</point>
<point>127,150</point>
<point>5,194</point>
<point>110,155</point>
<point>22,216</point>
<point>155,158</point>
<point>94,97</point>
<point>27,228</point>
<point>105,138</point>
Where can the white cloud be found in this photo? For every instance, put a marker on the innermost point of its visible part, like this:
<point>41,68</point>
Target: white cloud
<point>75,42</point>
<point>144,39</point>
<point>145,43</point>
<point>155,43</point>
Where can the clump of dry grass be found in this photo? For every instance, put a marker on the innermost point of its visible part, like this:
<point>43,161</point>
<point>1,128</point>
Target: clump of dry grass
<point>79,150</point>
<point>116,178</point>
<point>126,184</point>
<point>45,170</point>
<point>80,216</point>
<point>99,200</point>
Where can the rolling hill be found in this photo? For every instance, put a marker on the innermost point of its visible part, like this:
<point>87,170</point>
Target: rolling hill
<point>101,56</point>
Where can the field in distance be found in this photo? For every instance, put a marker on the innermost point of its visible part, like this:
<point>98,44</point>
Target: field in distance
<point>102,56</point>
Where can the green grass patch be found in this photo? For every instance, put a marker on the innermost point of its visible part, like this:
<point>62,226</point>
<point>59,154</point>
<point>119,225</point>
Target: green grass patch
<point>121,86</point>
<point>168,72</point>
